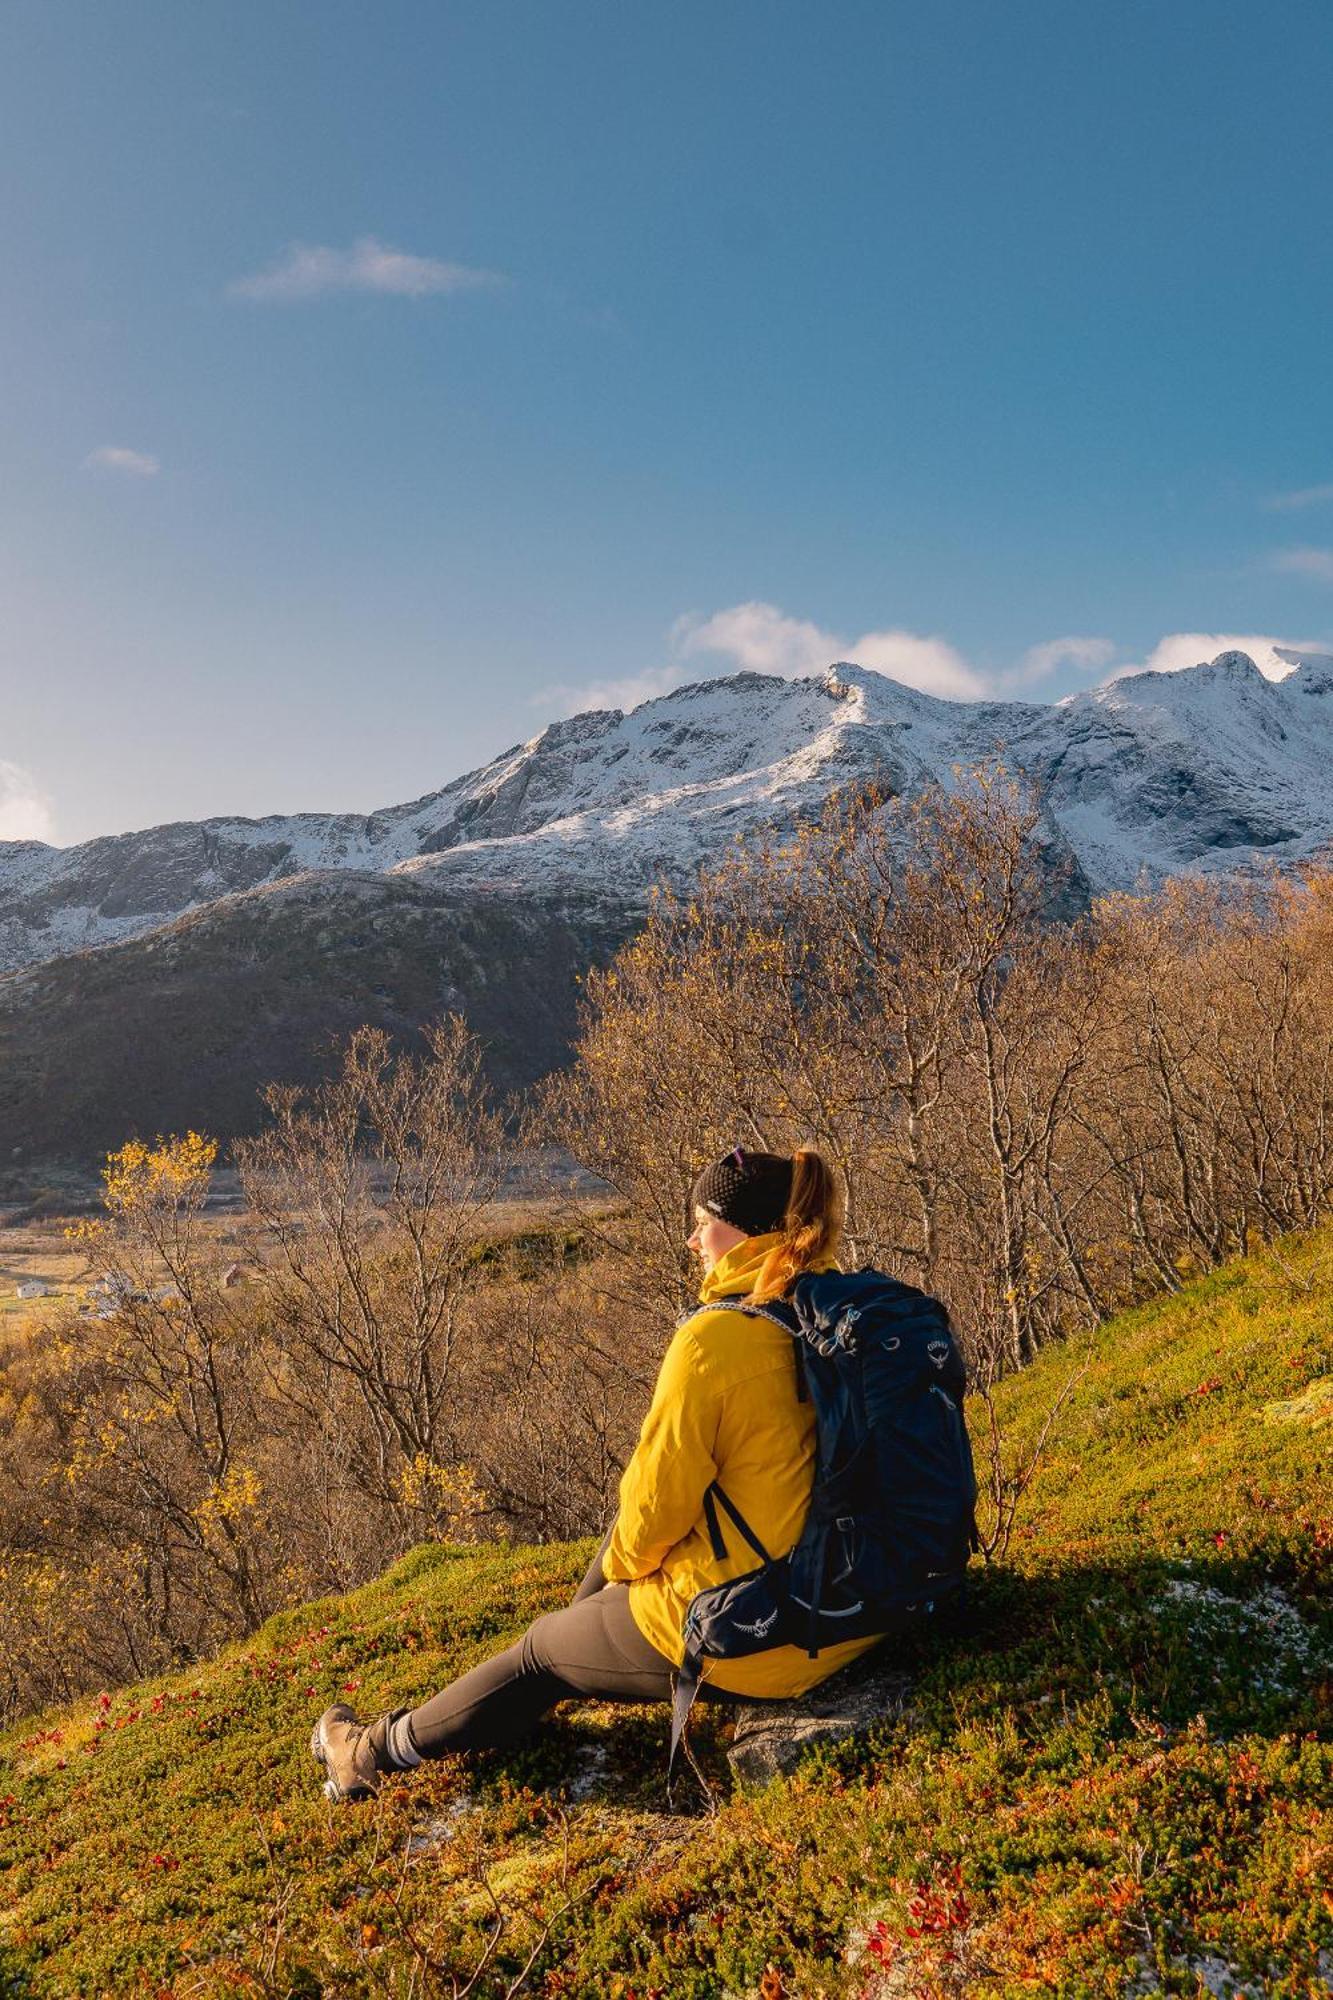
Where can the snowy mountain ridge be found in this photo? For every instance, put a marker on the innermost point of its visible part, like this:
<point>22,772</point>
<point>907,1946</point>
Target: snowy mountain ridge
<point>1213,767</point>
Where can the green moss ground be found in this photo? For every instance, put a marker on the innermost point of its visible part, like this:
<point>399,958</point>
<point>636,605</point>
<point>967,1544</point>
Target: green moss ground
<point>1120,1780</point>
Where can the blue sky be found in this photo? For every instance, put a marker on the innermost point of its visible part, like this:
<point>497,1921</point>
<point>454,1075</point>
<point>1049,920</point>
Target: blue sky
<point>377,383</point>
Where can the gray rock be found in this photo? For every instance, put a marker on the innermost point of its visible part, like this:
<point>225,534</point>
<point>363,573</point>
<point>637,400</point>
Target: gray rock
<point>771,1737</point>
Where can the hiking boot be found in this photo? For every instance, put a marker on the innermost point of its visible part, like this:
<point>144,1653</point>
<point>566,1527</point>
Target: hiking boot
<point>351,1751</point>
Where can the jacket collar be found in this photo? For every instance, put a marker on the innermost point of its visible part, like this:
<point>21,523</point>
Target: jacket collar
<point>737,1271</point>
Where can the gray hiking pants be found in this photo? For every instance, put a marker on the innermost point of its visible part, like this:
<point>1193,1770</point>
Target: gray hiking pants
<point>592,1648</point>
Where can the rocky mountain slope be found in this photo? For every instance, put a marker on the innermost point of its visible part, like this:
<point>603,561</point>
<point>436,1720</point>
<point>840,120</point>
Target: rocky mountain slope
<point>1118,1779</point>
<point>151,977</point>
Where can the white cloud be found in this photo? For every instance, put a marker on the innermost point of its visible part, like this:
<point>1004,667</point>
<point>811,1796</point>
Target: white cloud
<point>1302,496</point>
<point>25,810</point>
<point>1074,650</point>
<point>1305,562</point>
<point>758,637</point>
<point>316,270</point>
<point>765,640</point>
<point>928,664</point>
<point>762,638</point>
<point>119,458</point>
<point>1190,649</point>
<point>565,699</point>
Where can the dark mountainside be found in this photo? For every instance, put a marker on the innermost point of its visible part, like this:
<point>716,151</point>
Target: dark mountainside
<point>180,1029</point>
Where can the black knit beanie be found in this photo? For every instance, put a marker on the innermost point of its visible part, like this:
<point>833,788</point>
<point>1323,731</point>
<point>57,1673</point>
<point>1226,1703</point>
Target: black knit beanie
<point>749,1190</point>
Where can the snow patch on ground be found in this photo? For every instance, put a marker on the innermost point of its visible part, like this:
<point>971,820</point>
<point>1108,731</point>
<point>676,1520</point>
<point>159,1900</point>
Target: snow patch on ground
<point>1282,1648</point>
<point>1218,1977</point>
<point>436,1832</point>
<point>593,1765</point>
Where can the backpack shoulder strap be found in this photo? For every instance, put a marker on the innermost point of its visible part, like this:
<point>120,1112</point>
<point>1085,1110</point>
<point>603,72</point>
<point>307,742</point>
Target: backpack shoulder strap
<point>713,1497</point>
<point>782,1313</point>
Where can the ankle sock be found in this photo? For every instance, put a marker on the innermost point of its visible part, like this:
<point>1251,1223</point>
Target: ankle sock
<point>399,1747</point>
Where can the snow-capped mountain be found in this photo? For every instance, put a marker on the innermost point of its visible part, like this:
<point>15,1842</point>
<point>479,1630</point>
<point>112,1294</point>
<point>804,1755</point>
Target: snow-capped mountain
<point>234,952</point>
<point>1208,768</point>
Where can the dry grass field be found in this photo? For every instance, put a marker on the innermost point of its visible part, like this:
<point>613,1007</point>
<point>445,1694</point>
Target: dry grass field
<point>40,1248</point>
<point>38,1251</point>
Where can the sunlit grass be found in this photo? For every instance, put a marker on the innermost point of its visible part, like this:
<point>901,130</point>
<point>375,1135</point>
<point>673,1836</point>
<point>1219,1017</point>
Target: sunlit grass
<point>1121,1780</point>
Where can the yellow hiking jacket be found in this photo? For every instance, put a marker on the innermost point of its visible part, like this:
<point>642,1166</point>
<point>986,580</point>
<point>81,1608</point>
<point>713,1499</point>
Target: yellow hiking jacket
<point>725,1407</point>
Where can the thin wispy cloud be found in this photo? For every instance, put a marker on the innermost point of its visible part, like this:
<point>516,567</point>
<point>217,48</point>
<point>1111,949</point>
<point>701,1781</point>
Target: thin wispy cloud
<point>25,810</point>
<point>318,270</point>
<point>119,458</point>
<point>1317,563</point>
<point>565,698</point>
<point>1302,496</point>
<point>1040,662</point>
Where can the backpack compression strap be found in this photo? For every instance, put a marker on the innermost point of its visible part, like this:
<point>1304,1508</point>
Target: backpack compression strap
<point>687,1687</point>
<point>692,1666</point>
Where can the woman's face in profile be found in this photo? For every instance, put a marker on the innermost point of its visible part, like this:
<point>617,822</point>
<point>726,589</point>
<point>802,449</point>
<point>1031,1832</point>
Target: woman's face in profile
<point>712,1238</point>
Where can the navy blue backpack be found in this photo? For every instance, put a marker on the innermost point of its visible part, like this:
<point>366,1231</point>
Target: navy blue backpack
<point>891,1522</point>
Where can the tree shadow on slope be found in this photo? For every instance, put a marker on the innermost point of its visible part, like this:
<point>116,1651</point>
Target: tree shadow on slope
<point>1241,1645</point>
<point>14,1983</point>
<point>1146,1644</point>
<point>1155,1641</point>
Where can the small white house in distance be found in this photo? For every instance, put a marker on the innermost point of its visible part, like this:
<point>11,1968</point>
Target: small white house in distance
<point>32,1288</point>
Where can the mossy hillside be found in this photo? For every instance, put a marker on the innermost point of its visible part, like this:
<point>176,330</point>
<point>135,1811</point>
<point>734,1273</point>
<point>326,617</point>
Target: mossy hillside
<point>1119,1781</point>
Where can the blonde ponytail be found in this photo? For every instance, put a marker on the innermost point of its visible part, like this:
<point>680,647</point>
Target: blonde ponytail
<point>811,1227</point>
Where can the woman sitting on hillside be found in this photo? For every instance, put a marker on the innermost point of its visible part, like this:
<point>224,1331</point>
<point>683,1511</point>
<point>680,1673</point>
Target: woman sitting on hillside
<point>725,1408</point>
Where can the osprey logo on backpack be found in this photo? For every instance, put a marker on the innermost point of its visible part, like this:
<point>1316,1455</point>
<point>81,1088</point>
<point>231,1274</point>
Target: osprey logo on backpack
<point>890,1524</point>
